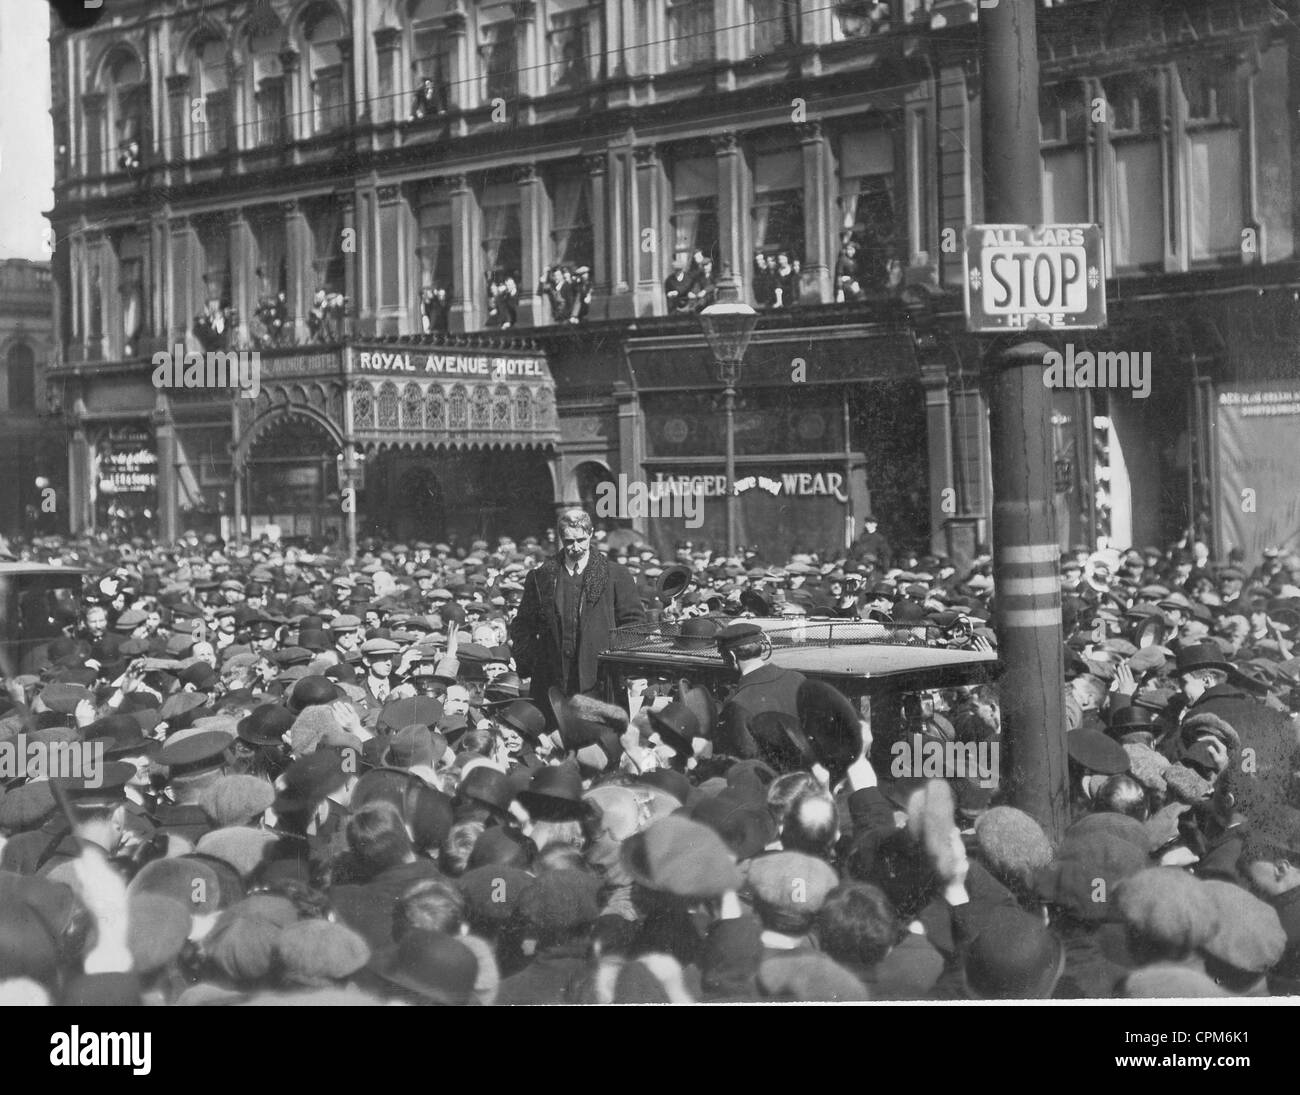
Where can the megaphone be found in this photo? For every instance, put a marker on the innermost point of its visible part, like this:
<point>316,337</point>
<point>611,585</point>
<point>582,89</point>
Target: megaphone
<point>673,582</point>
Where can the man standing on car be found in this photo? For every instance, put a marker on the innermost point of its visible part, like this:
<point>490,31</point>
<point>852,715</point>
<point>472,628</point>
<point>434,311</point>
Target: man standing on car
<point>570,605</point>
<point>762,687</point>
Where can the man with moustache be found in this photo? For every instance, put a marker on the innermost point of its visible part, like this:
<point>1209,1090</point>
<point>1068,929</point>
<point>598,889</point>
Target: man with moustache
<point>570,605</point>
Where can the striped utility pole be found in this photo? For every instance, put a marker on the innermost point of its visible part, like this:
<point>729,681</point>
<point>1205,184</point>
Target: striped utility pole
<point>1027,597</point>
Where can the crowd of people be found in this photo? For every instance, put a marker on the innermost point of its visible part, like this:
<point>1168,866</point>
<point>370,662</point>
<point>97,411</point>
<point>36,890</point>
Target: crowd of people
<point>390,779</point>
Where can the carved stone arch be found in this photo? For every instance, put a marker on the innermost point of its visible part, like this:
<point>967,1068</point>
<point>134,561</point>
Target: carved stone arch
<point>268,420</point>
<point>109,53</point>
<point>363,405</point>
<point>297,394</point>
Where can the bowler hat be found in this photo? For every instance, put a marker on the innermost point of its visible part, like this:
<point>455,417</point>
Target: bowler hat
<point>1202,655</point>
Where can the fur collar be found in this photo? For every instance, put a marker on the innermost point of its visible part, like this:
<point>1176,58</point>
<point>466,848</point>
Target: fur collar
<point>595,579</point>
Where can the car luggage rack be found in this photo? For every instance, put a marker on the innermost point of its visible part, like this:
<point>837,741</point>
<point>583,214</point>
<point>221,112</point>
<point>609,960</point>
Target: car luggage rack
<point>666,638</point>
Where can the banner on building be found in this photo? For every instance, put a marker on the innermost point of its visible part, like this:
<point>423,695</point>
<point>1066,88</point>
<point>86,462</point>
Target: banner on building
<point>1258,457</point>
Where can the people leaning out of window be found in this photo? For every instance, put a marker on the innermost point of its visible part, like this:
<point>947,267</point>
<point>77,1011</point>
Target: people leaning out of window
<point>569,291</point>
<point>503,299</point>
<point>692,285</point>
<point>776,280</point>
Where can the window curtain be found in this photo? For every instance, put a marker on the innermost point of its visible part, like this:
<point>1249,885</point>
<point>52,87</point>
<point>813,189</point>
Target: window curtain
<point>501,230</point>
<point>571,215</point>
<point>435,246</point>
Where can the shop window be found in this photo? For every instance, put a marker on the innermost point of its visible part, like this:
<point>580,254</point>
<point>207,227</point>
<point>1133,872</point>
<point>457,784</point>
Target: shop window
<point>689,32</point>
<point>20,366</point>
<point>1137,197</point>
<point>1062,118</point>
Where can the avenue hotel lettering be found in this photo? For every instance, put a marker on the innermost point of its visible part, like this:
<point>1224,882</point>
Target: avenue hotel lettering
<point>492,368</point>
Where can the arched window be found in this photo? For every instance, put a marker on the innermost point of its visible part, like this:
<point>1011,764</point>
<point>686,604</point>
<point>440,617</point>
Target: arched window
<point>480,407</point>
<point>458,417</point>
<point>21,368</point>
<point>363,405</point>
<point>412,407</point>
<point>523,409</point>
<point>323,33</point>
<point>436,409</point>
<point>210,110</point>
<point>431,54</point>
<point>388,405</point>
<point>126,102</point>
<point>268,90</point>
<point>501,408</point>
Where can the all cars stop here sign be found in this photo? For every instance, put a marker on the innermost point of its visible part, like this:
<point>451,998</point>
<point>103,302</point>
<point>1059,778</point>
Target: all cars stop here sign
<point>1035,277</point>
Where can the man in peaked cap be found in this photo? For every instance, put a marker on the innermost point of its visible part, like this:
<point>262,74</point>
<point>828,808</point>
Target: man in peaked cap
<point>762,687</point>
<point>193,762</point>
<point>380,658</point>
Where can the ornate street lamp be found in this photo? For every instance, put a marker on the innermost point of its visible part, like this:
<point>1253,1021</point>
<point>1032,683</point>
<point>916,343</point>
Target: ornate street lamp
<point>728,325</point>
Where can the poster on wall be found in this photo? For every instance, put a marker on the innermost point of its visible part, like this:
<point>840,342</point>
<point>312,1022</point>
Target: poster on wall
<point>1258,457</point>
<point>125,478</point>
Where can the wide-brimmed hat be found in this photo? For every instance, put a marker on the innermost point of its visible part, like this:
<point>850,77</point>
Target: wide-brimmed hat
<point>832,726</point>
<point>677,724</point>
<point>488,787</point>
<point>265,725</point>
<point>555,793</point>
<point>524,716</point>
